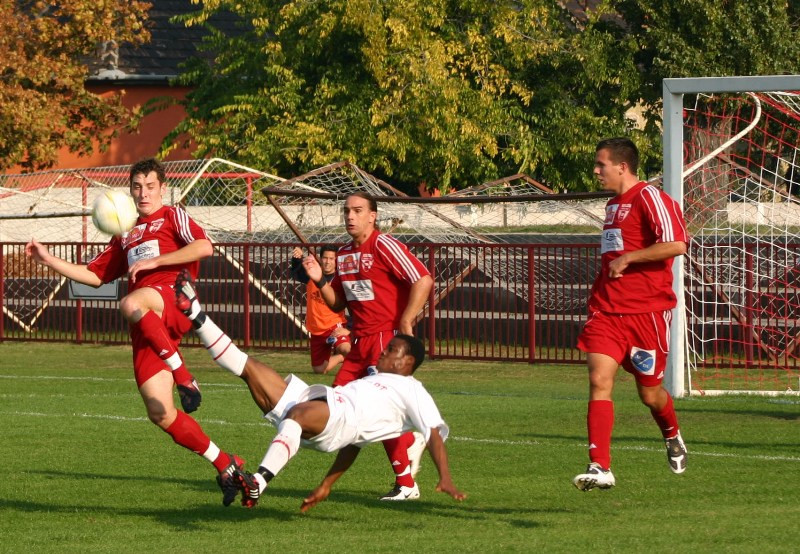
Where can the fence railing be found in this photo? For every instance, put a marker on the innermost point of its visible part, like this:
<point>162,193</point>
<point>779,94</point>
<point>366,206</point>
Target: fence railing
<point>500,302</point>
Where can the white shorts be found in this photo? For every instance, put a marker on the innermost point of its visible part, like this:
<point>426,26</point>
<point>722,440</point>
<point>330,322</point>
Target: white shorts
<point>341,429</point>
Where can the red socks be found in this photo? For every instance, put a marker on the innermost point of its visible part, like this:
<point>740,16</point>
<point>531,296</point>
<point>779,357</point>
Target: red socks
<point>600,423</point>
<point>397,450</point>
<point>667,419</point>
<point>153,330</point>
<point>186,432</point>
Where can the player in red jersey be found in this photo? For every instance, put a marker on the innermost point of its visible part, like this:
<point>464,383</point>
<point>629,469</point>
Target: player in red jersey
<point>330,339</point>
<point>384,287</point>
<point>630,307</point>
<point>164,241</point>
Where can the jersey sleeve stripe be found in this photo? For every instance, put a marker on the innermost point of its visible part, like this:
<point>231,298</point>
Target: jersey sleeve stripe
<point>396,252</point>
<point>654,202</point>
<point>182,223</point>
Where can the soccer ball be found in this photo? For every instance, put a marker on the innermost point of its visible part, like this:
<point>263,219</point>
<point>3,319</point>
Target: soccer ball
<point>114,212</point>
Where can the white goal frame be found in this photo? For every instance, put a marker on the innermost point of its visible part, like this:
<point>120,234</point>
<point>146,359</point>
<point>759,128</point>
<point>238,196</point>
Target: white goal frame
<point>673,140</point>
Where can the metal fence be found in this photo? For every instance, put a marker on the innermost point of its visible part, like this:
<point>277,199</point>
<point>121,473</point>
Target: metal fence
<point>504,302</point>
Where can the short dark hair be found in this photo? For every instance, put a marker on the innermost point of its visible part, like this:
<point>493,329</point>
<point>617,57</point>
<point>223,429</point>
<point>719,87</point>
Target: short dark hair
<point>145,167</point>
<point>328,248</point>
<point>621,149</point>
<point>415,348</point>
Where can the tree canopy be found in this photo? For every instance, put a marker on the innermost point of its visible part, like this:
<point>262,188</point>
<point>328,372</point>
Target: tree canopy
<point>44,105</point>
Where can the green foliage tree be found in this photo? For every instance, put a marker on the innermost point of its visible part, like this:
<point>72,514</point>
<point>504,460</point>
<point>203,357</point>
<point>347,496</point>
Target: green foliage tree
<point>457,92</point>
<point>44,105</point>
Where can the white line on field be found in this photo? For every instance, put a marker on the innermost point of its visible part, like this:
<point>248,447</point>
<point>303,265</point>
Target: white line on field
<point>114,379</point>
<point>692,452</point>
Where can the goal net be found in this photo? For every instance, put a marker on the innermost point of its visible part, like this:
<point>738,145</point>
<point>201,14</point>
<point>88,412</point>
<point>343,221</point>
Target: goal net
<point>740,182</point>
<point>470,236</point>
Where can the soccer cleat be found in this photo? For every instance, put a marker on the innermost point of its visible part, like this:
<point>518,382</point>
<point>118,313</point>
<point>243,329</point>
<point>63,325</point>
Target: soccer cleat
<point>226,480</point>
<point>189,393</point>
<point>676,453</point>
<point>246,482</point>
<point>399,492</point>
<point>185,294</point>
<point>415,452</point>
<point>595,477</point>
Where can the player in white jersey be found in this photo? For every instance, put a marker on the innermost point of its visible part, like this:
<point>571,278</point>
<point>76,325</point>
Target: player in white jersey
<point>344,418</point>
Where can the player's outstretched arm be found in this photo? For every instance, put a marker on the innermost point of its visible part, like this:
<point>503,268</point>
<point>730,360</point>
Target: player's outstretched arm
<point>77,272</point>
<point>439,455</point>
<point>344,459</point>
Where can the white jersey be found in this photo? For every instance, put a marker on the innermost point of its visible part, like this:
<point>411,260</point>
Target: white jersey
<point>367,410</point>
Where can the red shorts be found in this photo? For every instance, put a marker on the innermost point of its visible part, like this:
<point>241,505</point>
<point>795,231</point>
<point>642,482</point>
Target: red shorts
<point>321,349</point>
<point>146,362</point>
<point>365,353</point>
<point>638,342</point>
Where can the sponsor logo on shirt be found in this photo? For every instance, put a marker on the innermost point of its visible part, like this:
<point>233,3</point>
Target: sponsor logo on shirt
<point>611,211</point>
<point>358,291</point>
<point>624,210</point>
<point>611,241</point>
<point>366,262</point>
<point>644,361</point>
<point>156,225</point>
<point>145,251</point>
<point>348,263</point>
<point>133,235</point>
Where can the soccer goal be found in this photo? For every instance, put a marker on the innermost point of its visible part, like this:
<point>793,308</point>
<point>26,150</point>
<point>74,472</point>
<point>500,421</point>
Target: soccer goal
<point>732,158</point>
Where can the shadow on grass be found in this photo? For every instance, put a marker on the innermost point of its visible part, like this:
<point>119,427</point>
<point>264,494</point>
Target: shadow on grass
<point>190,517</point>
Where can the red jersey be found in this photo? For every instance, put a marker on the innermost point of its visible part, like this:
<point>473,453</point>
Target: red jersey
<point>375,279</point>
<point>641,217</point>
<point>166,230</point>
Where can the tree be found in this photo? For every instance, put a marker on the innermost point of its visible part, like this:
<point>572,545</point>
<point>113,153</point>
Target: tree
<point>457,92</point>
<point>44,105</point>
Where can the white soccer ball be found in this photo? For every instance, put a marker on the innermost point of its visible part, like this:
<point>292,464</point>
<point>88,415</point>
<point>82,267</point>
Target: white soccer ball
<point>114,212</point>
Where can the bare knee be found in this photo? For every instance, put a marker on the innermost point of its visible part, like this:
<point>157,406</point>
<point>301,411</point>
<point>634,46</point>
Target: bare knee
<point>654,398</point>
<point>321,368</point>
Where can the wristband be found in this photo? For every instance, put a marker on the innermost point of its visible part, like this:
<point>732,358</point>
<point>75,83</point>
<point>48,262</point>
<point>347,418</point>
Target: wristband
<point>321,283</point>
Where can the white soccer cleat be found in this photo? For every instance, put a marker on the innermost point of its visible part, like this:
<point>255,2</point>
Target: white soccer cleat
<point>399,492</point>
<point>595,477</point>
<point>676,453</point>
<point>415,452</point>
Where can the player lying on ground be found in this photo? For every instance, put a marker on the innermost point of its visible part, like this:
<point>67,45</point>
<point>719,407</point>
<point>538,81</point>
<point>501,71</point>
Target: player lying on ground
<point>328,419</point>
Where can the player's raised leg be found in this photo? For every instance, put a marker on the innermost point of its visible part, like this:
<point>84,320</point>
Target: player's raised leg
<point>265,384</point>
<point>143,308</point>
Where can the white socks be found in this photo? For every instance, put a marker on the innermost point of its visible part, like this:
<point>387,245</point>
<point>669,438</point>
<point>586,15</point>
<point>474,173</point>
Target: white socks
<point>221,348</point>
<point>283,447</point>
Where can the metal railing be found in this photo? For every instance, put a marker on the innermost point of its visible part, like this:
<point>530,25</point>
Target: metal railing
<point>482,306</point>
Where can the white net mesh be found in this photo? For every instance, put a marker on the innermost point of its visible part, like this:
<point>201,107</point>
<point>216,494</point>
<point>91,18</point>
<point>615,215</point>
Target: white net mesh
<point>740,194</point>
<point>231,203</point>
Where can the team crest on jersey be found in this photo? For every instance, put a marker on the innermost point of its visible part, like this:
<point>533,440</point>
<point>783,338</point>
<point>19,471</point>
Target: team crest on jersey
<point>644,361</point>
<point>366,261</point>
<point>347,263</point>
<point>156,225</point>
<point>133,235</point>
<point>623,211</point>
<point>611,212</point>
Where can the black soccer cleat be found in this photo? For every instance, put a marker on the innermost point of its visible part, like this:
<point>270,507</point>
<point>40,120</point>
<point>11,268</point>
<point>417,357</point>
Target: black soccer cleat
<point>676,454</point>
<point>227,482</point>
<point>247,483</point>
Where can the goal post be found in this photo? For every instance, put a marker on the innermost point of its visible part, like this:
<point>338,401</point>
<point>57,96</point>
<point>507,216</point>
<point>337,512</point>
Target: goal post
<point>734,176</point>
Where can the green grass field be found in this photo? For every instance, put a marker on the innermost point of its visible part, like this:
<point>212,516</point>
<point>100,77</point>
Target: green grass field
<point>86,472</point>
